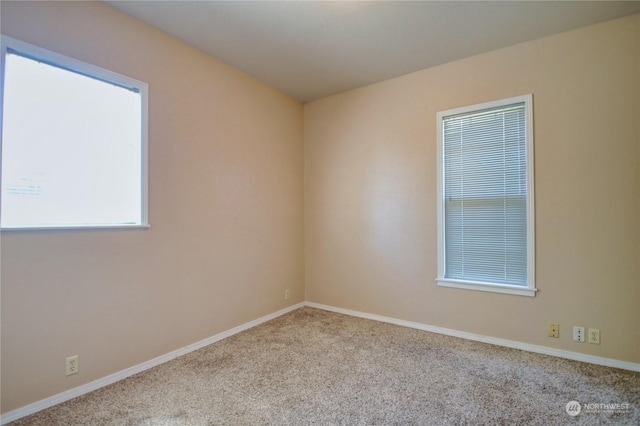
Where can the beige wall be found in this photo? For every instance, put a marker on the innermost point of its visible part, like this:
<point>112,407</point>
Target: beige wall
<point>370,192</point>
<point>226,236</point>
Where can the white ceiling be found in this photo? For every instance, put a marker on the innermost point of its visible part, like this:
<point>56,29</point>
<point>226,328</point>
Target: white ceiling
<point>312,49</point>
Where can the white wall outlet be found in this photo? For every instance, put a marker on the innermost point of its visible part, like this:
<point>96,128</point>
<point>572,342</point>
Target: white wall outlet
<point>594,336</point>
<point>578,334</point>
<point>554,330</point>
<point>287,294</point>
<point>73,365</point>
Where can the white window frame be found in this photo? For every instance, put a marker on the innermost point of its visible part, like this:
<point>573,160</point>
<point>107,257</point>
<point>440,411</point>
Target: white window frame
<point>530,289</point>
<point>9,45</point>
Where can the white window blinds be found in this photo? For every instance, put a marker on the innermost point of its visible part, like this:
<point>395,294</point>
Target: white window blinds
<point>485,195</point>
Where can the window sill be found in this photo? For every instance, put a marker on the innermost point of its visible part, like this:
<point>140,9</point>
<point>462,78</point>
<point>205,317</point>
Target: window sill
<point>77,228</point>
<point>493,288</point>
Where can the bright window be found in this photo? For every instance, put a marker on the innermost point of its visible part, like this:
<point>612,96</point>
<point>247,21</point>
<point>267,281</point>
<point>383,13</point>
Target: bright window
<point>74,146</point>
<point>485,197</point>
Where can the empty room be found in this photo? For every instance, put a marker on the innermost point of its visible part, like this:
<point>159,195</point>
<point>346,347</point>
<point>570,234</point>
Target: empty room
<point>319,212</point>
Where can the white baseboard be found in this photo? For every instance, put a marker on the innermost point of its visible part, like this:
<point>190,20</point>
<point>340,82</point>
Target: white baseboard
<point>112,378</point>
<point>576,356</point>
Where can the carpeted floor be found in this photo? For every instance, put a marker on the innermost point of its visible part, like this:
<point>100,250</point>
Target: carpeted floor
<point>316,367</point>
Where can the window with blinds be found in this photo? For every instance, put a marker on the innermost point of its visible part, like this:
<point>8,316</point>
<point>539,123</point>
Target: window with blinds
<point>485,225</point>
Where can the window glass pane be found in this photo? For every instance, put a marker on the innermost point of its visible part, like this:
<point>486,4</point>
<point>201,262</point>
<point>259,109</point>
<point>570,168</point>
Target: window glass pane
<point>71,148</point>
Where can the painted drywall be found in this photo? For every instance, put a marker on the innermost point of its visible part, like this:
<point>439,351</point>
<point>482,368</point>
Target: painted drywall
<point>225,207</point>
<point>370,192</point>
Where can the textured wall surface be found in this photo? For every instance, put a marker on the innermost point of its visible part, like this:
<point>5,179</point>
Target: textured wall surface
<point>370,192</point>
<point>225,207</point>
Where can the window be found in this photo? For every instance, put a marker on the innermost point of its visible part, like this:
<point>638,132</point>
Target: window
<point>485,197</point>
<point>74,143</point>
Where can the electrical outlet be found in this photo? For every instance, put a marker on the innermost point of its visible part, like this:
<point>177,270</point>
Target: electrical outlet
<point>578,334</point>
<point>594,336</point>
<point>73,365</point>
<point>287,294</point>
<point>554,329</point>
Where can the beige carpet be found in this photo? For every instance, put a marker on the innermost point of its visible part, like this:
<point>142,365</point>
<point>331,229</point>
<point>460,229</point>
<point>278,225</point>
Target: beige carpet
<point>312,367</point>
